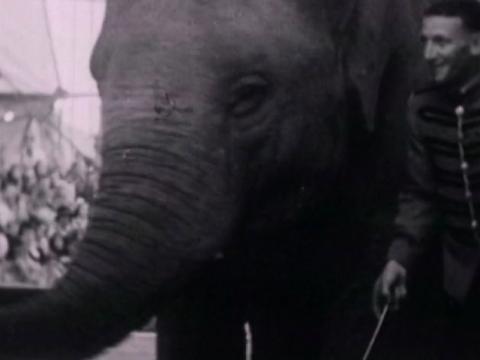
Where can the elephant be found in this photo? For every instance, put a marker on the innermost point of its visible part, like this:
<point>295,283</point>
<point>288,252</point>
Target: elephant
<point>246,147</point>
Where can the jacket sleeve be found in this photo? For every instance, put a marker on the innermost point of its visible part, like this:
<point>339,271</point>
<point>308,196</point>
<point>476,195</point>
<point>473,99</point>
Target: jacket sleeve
<point>416,208</point>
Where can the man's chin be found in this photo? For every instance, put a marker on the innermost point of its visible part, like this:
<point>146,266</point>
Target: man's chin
<point>440,76</point>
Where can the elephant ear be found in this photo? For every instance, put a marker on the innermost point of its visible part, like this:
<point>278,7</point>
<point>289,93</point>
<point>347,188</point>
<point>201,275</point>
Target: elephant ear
<point>369,33</point>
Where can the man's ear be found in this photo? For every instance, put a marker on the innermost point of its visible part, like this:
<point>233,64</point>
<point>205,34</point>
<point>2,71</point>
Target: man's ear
<point>475,43</point>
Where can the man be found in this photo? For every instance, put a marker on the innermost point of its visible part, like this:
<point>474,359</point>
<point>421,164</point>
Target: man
<point>444,170</point>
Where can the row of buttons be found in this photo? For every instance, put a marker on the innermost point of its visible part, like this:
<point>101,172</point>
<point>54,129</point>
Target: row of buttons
<point>460,111</point>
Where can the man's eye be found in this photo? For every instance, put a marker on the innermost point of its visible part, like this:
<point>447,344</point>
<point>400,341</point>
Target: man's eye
<point>441,41</point>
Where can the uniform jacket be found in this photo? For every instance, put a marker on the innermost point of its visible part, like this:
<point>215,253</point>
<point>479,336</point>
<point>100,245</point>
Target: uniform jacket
<point>443,182</point>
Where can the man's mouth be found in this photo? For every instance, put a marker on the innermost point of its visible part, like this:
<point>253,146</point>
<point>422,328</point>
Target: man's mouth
<point>438,66</point>
<point>439,71</point>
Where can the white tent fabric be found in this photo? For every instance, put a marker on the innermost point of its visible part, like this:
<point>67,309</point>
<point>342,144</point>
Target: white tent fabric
<point>75,25</point>
<point>46,44</point>
<point>26,129</point>
<point>45,47</point>
<point>26,53</point>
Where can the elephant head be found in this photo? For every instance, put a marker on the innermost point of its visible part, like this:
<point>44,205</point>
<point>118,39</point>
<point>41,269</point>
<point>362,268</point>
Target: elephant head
<point>217,116</point>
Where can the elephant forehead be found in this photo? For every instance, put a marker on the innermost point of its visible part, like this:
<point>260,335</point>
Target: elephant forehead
<point>191,30</point>
<point>264,19</point>
<point>265,30</point>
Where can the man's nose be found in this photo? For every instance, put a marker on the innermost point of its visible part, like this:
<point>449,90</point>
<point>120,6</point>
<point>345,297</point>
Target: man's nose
<point>429,51</point>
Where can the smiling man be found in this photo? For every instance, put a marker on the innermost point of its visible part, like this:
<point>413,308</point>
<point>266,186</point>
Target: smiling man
<point>450,42</point>
<point>443,186</point>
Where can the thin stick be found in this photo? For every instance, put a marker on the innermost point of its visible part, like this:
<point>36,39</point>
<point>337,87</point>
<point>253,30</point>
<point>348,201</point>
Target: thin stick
<point>248,341</point>
<point>380,322</point>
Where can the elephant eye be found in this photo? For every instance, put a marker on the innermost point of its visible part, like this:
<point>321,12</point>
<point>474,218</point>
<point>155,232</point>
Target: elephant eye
<point>248,95</point>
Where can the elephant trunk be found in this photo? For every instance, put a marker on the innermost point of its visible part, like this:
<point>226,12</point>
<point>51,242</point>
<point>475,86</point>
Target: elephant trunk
<point>163,208</point>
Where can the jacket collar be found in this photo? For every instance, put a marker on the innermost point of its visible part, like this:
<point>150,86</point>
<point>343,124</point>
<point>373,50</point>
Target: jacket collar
<point>466,90</point>
<point>471,85</point>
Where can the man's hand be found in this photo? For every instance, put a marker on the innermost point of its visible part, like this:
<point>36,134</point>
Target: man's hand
<point>390,287</point>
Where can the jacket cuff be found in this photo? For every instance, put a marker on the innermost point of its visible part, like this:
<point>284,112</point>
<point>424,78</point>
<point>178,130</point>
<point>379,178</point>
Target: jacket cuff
<point>402,252</point>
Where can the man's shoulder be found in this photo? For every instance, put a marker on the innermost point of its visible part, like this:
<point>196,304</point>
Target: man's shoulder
<point>427,89</point>
<point>430,94</point>
<point>430,88</point>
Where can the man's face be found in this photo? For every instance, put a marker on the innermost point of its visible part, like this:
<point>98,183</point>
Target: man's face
<point>28,236</point>
<point>10,193</point>
<point>446,46</point>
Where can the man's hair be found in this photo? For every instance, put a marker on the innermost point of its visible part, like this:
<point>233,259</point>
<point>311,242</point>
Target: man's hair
<point>467,10</point>
<point>26,226</point>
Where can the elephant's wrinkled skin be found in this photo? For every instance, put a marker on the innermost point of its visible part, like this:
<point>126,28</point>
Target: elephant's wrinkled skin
<point>226,137</point>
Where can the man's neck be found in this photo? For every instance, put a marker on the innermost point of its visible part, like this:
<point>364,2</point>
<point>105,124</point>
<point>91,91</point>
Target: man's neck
<point>468,78</point>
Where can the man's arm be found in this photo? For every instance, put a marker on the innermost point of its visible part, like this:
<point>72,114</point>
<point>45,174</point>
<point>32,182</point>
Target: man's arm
<point>416,208</point>
<point>414,220</point>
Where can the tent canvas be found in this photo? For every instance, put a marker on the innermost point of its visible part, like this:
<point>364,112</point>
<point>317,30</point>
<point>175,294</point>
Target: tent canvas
<point>36,134</point>
<point>24,138</point>
<point>45,49</point>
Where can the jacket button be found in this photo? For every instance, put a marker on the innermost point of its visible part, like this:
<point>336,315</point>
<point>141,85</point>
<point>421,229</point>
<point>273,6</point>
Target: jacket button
<point>464,166</point>
<point>474,224</point>
<point>459,110</point>
<point>468,194</point>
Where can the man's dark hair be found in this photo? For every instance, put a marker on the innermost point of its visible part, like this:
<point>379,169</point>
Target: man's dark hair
<point>26,226</point>
<point>63,212</point>
<point>468,11</point>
